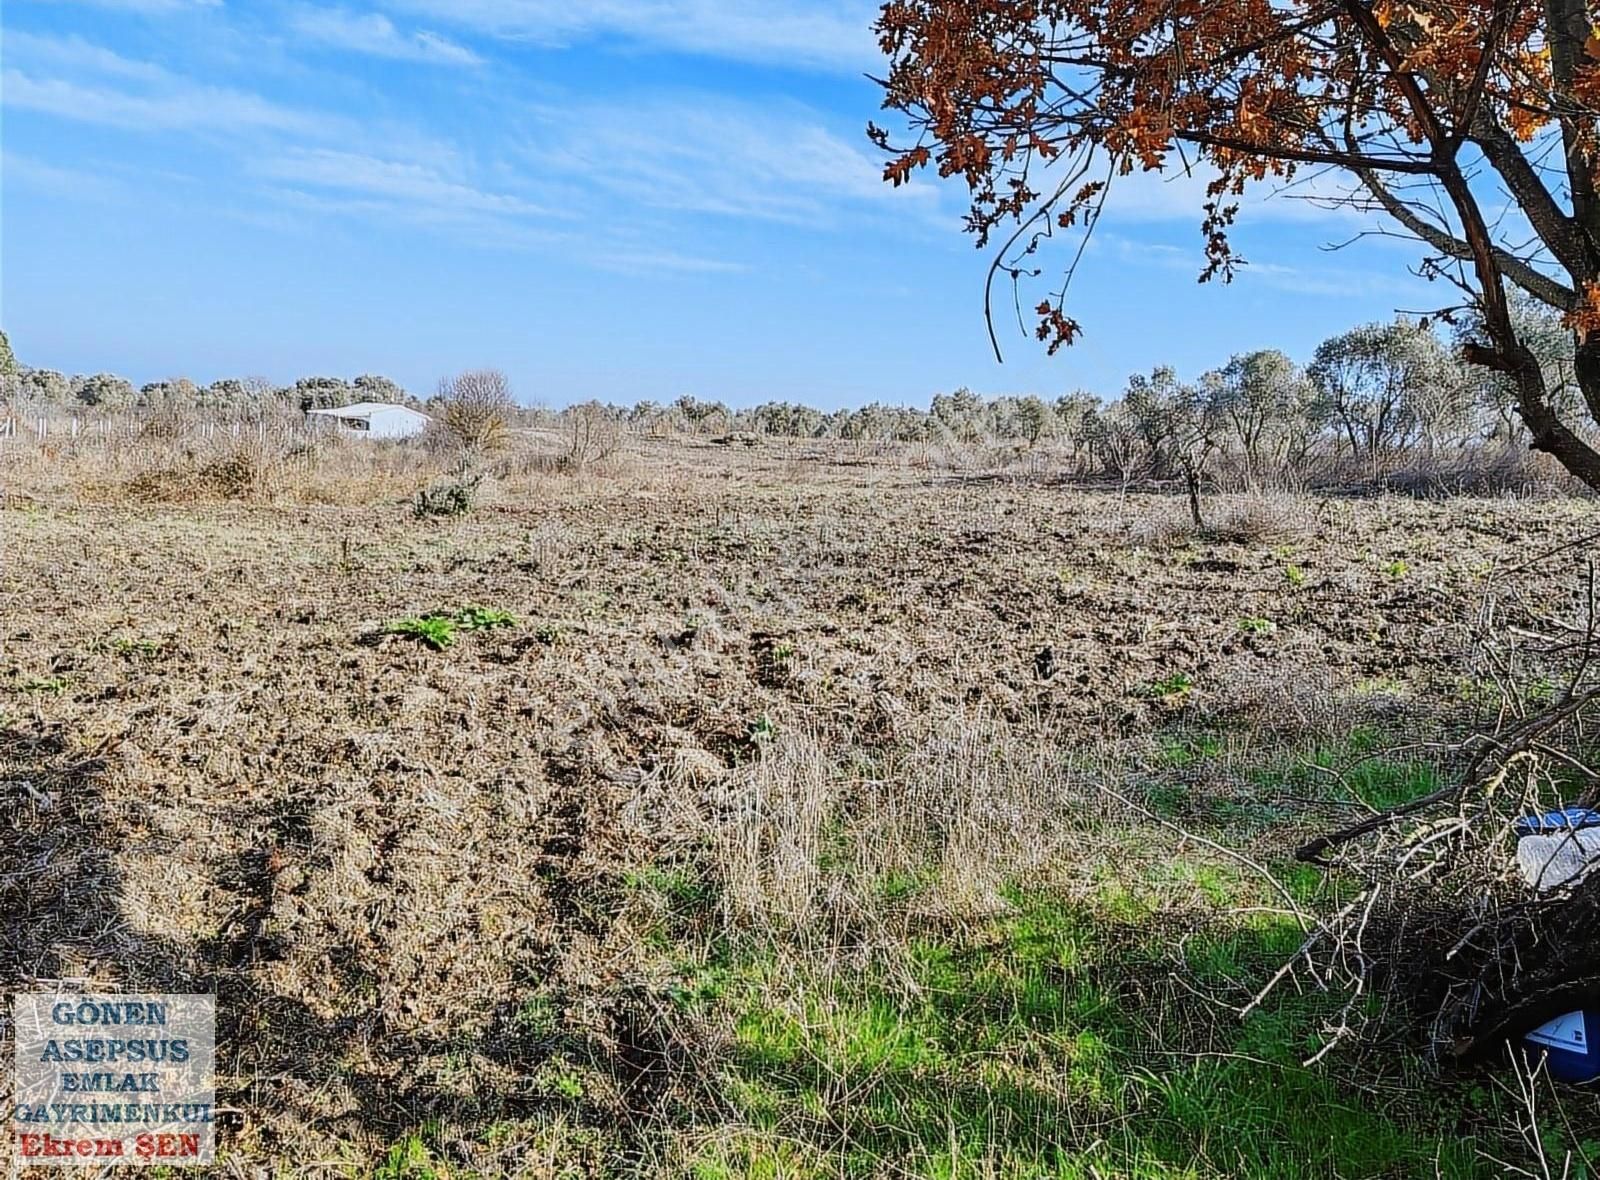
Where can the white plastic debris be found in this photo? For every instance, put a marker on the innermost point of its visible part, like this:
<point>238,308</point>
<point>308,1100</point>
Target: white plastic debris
<point>1550,861</point>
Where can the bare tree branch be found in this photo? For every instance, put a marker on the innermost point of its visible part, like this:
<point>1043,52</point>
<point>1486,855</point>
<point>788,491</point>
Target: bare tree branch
<point>1535,282</point>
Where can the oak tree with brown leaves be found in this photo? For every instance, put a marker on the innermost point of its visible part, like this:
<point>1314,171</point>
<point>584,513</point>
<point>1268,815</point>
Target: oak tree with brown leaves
<point>1471,125</point>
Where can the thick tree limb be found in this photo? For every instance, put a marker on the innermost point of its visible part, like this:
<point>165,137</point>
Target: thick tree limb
<point>1567,30</point>
<point>1353,161</point>
<point>1535,282</point>
<point>1518,739</point>
<point>1556,229</point>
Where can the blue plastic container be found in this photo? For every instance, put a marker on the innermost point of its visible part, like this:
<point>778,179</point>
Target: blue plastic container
<point>1572,1044</point>
<point>1570,820</point>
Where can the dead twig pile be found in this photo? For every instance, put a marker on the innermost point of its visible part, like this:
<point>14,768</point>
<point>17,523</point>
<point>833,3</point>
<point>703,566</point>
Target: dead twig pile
<point>1449,919</point>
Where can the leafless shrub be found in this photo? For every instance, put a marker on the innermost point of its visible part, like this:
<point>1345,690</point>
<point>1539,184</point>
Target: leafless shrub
<point>1264,520</point>
<point>1168,530</point>
<point>167,421</point>
<point>475,409</point>
<point>1483,471</point>
<point>594,433</point>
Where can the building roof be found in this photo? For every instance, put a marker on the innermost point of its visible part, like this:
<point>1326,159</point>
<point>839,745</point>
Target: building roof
<point>366,410</point>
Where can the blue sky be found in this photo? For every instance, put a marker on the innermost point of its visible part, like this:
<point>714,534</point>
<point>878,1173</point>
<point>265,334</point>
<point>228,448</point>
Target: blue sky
<point>622,199</point>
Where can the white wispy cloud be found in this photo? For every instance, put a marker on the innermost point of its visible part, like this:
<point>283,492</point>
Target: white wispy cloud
<point>1329,281</point>
<point>421,197</point>
<point>1332,282</point>
<point>703,154</point>
<point>627,260</point>
<point>1176,193</point>
<point>375,34</point>
<point>485,228</point>
<point>827,34</point>
<point>179,106</point>
<point>18,170</point>
<point>70,77</point>
<point>144,7</point>
<point>72,53</point>
<point>401,182</point>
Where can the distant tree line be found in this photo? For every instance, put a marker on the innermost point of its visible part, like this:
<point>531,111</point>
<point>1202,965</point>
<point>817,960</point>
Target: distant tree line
<point>1380,395</point>
<point>48,389</point>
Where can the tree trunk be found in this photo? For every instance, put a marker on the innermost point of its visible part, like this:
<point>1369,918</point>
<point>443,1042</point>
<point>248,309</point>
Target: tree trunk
<point>1191,479</point>
<point>1548,432</point>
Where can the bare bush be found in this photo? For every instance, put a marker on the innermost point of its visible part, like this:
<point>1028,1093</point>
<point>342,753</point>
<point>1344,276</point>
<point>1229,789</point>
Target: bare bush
<point>593,433</point>
<point>474,410</point>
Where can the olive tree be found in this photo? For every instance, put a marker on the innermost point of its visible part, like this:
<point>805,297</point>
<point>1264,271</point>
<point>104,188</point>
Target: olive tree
<point>703,417</point>
<point>104,391</point>
<point>370,387</point>
<point>1073,414</point>
<point>1268,404</point>
<point>1112,437</point>
<point>960,414</point>
<point>177,394</point>
<point>1181,426</point>
<point>239,395</point>
<point>42,387</point>
<point>1388,386</point>
<point>1031,420</point>
<point>786,420</point>
<point>320,393</point>
<point>1494,394</point>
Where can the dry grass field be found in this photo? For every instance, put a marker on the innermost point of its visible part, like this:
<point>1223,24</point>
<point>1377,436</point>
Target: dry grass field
<point>744,813</point>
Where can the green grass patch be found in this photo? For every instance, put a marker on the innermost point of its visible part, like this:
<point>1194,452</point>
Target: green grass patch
<point>1351,770</point>
<point>1181,750</point>
<point>1049,1043</point>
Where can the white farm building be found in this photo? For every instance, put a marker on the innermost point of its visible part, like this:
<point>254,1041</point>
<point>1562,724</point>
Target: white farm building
<point>376,419</point>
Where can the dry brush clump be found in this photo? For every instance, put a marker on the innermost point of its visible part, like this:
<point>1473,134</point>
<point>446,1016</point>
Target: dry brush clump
<point>804,840</point>
<point>1443,926</point>
<point>243,472</point>
<point>317,470</point>
<point>176,459</point>
<point>1250,519</point>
